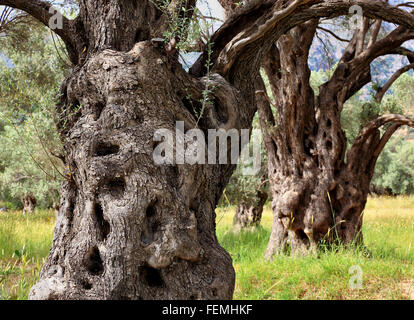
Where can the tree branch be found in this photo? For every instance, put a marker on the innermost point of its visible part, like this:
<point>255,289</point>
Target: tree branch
<point>381,121</point>
<point>253,33</point>
<point>404,52</point>
<point>354,70</point>
<point>260,23</point>
<point>382,91</point>
<point>354,154</point>
<point>333,34</point>
<point>361,35</point>
<point>375,32</point>
<point>6,19</point>
<point>40,10</point>
<point>384,140</point>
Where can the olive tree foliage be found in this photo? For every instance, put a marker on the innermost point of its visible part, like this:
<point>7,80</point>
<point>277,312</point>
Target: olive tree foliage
<point>242,188</point>
<point>394,171</point>
<point>28,168</point>
<point>31,70</point>
<point>403,91</point>
<point>248,192</point>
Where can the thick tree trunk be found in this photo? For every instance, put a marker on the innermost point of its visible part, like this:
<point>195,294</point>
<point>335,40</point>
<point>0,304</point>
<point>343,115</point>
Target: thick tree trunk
<point>319,190</point>
<point>249,215</point>
<point>325,207</point>
<point>127,228</point>
<point>316,196</point>
<point>29,204</point>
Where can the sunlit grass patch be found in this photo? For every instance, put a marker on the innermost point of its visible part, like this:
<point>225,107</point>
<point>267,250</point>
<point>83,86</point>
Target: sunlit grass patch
<point>28,234</point>
<point>388,235</point>
<point>25,241</point>
<point>387,274</point>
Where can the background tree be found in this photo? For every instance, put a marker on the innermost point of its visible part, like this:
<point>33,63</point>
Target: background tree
<point>392,174</point>
<point>29,76</point>
<point>319,189</point>
<point>248,192</point>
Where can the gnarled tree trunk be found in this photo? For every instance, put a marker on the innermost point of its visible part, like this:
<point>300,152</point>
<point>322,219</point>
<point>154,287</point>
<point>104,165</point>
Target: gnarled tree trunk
<point>29,204</point>
<point>319,189</point>
<point>249,214</point>
<point>127,228</point>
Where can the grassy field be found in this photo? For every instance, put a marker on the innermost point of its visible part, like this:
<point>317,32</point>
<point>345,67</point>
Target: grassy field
<point>387,274</point>
<point>24,245</point>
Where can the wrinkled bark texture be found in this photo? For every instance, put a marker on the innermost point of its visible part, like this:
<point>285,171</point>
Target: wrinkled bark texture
<point>127,228</point>
<point>319,191</point>
<point>316,196</point>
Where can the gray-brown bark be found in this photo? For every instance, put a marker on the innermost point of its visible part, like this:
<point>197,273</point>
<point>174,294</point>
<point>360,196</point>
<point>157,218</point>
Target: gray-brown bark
<point>128,229</point>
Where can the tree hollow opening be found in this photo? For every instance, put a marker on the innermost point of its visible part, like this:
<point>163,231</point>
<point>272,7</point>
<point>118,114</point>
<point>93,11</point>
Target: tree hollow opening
<point>151,276</point>
<point>104,228</point>
<point>93,261</point>
<point>103,149</point>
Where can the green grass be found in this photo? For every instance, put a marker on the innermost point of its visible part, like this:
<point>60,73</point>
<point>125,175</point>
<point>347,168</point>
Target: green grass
<point>387,274</point>
<point>25,242</point>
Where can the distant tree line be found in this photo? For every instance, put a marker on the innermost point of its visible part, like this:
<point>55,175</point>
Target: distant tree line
<point>31,68</point>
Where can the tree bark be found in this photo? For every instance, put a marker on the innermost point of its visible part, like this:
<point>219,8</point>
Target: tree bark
<point>319,191</point>
<point>128,229</point>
